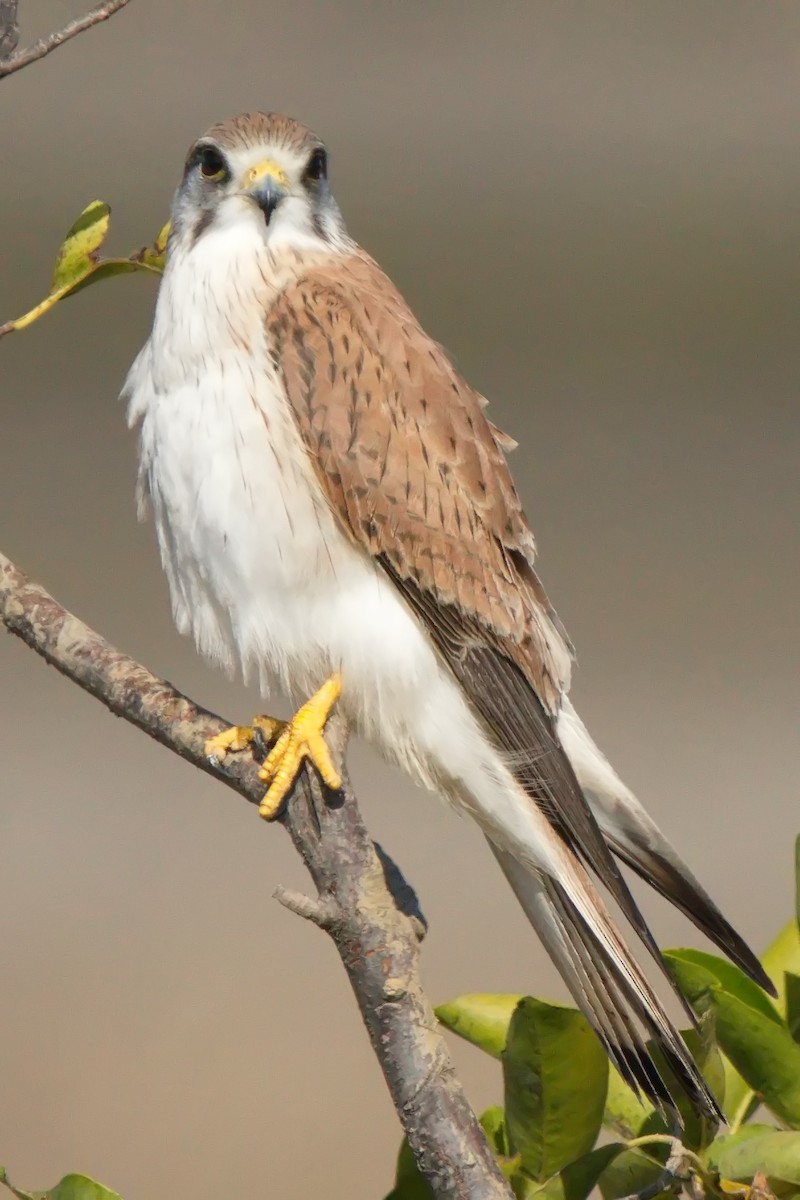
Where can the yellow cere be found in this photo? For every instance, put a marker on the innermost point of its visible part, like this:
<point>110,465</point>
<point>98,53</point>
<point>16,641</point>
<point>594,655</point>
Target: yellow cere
<point>266,168</point>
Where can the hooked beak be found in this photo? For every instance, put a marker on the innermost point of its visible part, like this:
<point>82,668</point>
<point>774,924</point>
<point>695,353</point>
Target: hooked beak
<point>266,184</point>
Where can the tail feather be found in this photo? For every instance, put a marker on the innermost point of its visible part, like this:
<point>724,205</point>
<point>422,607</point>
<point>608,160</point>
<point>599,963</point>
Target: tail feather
<point>609,987</point>
<point>609,1005</point>
<point>636,839</point>
<point>670,877</point>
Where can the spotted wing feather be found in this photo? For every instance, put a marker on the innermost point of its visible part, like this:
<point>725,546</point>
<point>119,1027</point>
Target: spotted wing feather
<point>418,477</point>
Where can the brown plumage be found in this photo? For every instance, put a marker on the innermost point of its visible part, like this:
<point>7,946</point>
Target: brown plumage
<point>409,461</point>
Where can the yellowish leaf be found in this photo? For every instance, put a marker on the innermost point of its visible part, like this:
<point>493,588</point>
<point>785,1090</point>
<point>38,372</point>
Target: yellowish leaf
<point>80,247</point>
<point>80,264</point>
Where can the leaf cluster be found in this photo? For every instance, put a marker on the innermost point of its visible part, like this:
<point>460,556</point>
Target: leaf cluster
<point>569,1123</point>
<point>80,262</point>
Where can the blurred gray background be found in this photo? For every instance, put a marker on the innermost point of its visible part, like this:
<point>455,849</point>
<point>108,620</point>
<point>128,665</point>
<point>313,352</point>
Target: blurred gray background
<point>595,208</point>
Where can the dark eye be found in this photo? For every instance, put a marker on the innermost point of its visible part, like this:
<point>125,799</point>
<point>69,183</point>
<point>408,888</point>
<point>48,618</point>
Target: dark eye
<point>212,165</point>
<point>317,165</point>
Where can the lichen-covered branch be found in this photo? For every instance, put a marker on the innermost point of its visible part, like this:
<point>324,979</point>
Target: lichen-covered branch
<point>15,60</point>
<point>362,900</point>
<point>9,33</point>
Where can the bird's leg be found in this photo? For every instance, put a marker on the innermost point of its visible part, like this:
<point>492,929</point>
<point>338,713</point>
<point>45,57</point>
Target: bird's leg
<point>292,742</point>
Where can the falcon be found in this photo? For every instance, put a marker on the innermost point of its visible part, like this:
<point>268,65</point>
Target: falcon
<point>336,517</point>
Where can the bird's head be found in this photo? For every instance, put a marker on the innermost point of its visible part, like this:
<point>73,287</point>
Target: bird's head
<point>264,169</point>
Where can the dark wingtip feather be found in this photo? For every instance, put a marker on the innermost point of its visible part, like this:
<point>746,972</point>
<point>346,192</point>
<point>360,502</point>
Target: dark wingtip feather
<point>686,894</point>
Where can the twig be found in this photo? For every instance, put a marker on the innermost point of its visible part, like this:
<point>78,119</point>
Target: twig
<point>363,901</point>
<point>17,59</point>
<point>9,33</point>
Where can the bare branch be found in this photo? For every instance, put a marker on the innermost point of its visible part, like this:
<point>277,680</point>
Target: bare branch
<point>15,60</point>
<point>364,903</point>
<point>9,33</point>
<point>304,906</point>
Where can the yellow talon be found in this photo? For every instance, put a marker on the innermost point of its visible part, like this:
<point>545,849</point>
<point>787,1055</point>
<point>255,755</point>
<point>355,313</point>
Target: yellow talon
<point>238,737</point>
<point>300,739</point>
<point>241,737</point>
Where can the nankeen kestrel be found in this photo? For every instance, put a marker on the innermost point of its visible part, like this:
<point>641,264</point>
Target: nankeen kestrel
<point>335,515</point>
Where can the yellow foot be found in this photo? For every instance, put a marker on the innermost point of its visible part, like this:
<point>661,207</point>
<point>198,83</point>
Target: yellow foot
<point>291,743</point>
<point>300,739</point>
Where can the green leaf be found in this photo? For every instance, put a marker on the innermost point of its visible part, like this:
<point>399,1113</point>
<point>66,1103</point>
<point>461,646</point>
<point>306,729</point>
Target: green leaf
<point>782,955</point>
<point>575,1182</point>
<point>702,1044</point>
<point>555,1075</point>
<point>409,1183</point>
<point>581,1176</point>
<point>797,881</point>
<point>71,1187</point>
<point>480,1018</point>
<point>79,250</point>
<point>630,1172</point>
<point>78,1187</point>
<point>493,1123</point>
<point>624,1112</point>
<point>759,1046</point>
<point>792,983</point>
<point>757,1148</point>
<point>694,970</point>
<point>697,972</point>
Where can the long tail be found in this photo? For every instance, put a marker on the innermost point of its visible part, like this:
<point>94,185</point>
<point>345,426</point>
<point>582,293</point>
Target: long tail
<point>499,757</point>
<point>608,986</point>
<point>567,911</point>
<point>636,839</point>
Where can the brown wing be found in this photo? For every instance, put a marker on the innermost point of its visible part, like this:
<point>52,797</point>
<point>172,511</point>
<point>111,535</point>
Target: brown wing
<point>409,461</point>
<point>417,476</point>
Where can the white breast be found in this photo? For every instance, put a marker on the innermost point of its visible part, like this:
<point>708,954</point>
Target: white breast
<point>238,524</point>
<point>260,573</point>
